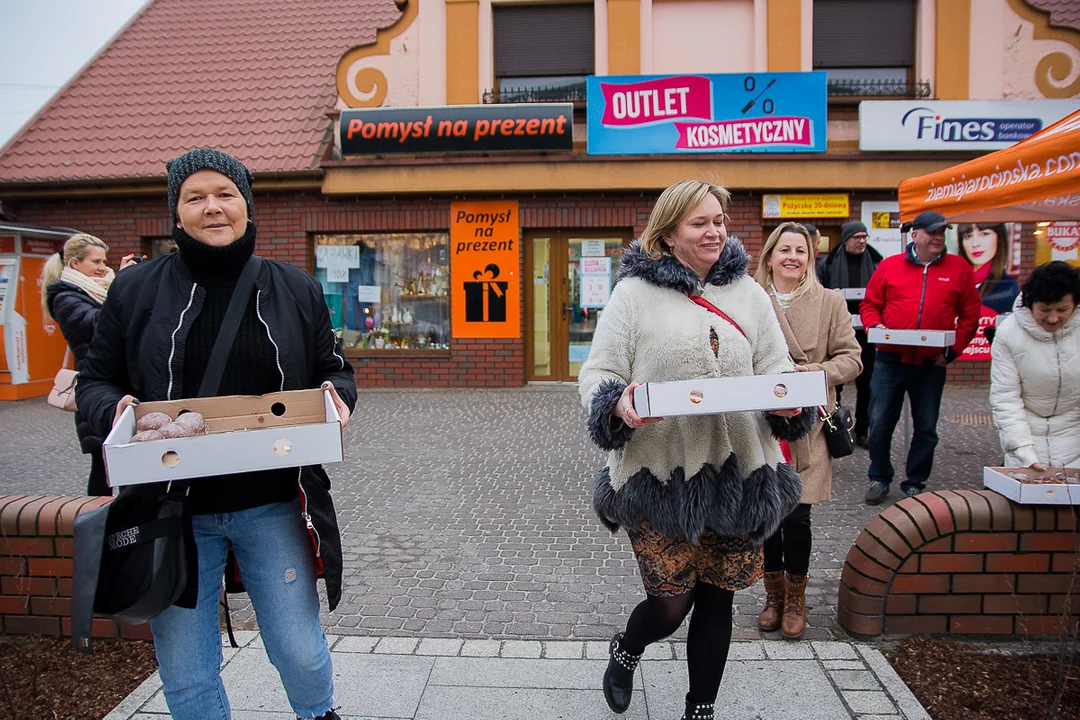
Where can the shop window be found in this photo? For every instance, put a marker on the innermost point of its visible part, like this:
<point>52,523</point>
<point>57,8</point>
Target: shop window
<point>155,247</point>
<point>387,292</point>
<point>542,52</point>
<point>860,58</point>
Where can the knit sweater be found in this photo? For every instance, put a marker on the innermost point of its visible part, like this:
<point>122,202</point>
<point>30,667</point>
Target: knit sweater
<point>251,369</point>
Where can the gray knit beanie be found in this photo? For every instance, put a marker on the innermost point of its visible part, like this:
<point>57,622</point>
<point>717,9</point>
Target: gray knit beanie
<point>851,228</point>
<point>181,168</point>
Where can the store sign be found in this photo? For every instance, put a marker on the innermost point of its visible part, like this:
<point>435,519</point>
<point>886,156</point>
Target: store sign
<point>485,273</point>
<point>41,246</point>
<point>457,129</point>
<point>955,124</point>
<point>882,221</point>
<point>738,112</point>
<point>828,205</point>
<point>595,281</point>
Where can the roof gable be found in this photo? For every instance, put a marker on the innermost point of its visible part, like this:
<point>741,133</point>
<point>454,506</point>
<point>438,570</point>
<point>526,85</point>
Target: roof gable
<point>254,78</point>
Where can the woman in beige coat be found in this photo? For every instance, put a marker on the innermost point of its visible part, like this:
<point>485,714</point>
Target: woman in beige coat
<point>818,331</point>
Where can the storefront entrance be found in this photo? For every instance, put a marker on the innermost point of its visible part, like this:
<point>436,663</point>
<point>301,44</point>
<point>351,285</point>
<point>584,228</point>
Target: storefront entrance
<point>569,275</point>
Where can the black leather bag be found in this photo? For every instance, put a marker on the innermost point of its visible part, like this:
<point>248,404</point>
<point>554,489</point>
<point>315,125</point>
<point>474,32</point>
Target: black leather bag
<point>839,429</point>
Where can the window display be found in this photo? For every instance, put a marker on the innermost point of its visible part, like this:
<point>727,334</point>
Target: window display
<point>386,291</point>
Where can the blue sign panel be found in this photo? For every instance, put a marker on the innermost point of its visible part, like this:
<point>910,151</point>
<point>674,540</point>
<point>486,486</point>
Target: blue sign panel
<point>744,112</point>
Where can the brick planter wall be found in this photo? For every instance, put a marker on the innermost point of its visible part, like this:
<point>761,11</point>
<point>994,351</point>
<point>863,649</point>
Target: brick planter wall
<point>964,562</point>
<point>35,567</point>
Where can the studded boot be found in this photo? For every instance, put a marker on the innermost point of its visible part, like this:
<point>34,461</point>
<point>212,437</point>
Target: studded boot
<point>619,676</point>
<point>698,711</point>
<point>769,618</point>
<point>793,623</point>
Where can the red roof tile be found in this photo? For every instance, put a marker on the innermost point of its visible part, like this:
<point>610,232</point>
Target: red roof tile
<point>254,78</point>
<point>1063,13</point>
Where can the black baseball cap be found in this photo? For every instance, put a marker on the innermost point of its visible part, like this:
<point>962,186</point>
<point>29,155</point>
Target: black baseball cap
<point>930,221</point>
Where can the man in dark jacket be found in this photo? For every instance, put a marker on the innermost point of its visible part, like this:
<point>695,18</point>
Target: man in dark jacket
<point>923,288</point>
<point>850,266</point>
<point>153,341</point>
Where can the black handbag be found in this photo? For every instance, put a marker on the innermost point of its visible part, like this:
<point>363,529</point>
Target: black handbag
<point>136,556</point>
<point>839,429</point>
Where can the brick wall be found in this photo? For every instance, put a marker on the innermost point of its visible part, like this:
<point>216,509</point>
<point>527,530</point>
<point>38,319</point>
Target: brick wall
<point>36,567</point>
<point>964,562</point>
<point>287,222</point>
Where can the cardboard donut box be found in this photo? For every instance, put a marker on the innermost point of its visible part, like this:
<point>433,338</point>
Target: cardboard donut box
<point>922,338</point>
<point>853,293</point>
<point>245,433</point>
<point>998,480</point>
<point>710,396</point>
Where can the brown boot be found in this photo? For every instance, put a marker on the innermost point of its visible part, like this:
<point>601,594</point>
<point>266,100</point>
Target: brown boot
<point>794,621</point>
<point>769,619</point>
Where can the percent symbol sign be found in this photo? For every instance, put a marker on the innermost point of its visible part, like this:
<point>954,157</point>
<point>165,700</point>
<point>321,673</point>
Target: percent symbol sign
<point>750,84</point>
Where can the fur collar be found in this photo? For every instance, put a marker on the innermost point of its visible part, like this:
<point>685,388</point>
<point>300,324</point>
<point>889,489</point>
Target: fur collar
<point>668,272</point>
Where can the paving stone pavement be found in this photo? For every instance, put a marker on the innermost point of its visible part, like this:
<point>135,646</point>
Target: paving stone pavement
<point>445,678</point>
<point>465,513</point>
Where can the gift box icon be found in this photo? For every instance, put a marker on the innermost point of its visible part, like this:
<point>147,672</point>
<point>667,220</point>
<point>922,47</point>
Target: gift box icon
<point>485,299</point>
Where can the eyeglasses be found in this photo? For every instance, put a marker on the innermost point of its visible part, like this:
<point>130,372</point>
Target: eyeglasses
<point>859,236</point>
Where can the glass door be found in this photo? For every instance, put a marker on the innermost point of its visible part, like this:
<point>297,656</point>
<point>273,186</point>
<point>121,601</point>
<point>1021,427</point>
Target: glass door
<point>571,276</point>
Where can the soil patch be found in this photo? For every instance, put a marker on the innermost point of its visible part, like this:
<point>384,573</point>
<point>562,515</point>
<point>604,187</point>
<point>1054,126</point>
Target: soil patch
<point>965,681</point>
<point>44,678</point>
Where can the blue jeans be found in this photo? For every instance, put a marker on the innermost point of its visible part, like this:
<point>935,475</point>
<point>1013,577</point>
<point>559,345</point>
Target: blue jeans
<point>277,564</point>
<point>924,385</point>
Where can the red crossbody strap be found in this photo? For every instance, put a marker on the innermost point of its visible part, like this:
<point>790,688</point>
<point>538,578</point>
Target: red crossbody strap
<point>698,300</point>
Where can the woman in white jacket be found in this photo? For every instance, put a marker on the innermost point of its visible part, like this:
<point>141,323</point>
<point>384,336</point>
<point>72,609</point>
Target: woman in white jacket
<point>1035,374</point>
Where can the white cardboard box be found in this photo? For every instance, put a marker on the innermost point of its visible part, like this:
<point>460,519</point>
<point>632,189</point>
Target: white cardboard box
<point>853,293</point>
<point>856,322</point>
<point>996,479</point>
<point>922,338</point>
<point>247,433</point>
<point>709,396</point>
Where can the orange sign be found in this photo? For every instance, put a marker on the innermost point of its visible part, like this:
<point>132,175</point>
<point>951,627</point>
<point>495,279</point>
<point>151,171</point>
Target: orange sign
<point>485,272</point>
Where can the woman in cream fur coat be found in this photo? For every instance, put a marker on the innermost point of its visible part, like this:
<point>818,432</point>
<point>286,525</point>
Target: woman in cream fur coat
<point>697,494</point>
<point>819,334</point>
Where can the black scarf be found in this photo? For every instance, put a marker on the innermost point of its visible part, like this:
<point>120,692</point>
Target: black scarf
<point>838,268</point>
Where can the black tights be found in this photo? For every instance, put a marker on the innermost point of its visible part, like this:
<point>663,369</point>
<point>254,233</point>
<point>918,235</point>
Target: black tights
<point>707,641</point>
<point>97,483</point>
<point>789,547</point>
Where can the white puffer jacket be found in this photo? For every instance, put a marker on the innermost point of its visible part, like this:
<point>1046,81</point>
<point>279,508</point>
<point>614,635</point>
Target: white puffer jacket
<point>1035,391</point>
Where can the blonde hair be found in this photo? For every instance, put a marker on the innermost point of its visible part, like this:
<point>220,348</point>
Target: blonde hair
<point>674,204</point>
<point>764,274</point>
<point>75,249</point>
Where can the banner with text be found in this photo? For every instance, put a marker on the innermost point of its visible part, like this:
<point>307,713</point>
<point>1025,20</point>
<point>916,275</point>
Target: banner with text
<point>738,112</point>
<point>485,272</point>
<point>822,205</point>
<point>459,128</point>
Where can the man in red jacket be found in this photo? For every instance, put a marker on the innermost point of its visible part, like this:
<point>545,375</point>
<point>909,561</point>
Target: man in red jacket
<point>922,288</point>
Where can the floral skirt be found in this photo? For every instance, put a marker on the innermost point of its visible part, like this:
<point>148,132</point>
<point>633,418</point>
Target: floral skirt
<point>672,567</point>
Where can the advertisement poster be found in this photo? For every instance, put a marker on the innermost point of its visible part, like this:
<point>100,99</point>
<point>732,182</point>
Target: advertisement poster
<point>737,112</point>
<point>882,220</point>
<point>826,205</point>
<point>991,250</point>
<point>595,281</point>
<point>1058,241</point>
<point>484,269</point>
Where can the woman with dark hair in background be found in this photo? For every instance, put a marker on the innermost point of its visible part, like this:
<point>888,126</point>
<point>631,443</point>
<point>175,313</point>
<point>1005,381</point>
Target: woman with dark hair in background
<point>986,247</point>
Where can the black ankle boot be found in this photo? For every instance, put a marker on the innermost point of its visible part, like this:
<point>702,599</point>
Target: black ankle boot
<point>329,715</point>
<point>619,676</point>
<point>698,711</point>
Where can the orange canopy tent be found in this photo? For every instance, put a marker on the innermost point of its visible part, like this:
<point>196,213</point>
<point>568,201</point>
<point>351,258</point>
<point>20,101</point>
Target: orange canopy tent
<point>1037,179</point>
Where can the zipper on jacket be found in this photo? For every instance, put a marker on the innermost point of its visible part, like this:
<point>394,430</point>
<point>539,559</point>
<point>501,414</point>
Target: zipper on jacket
<point>172,340</point>
<point>277,351</point>
<point>306,515</point>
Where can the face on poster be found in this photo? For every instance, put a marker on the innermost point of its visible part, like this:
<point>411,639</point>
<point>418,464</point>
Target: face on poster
<point>737,112</point>
<point>990,249</point>
<point>485,269</point>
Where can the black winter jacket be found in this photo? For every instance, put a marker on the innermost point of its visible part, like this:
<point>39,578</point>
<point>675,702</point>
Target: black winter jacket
<point>138,349</point>
<point>75,312</point>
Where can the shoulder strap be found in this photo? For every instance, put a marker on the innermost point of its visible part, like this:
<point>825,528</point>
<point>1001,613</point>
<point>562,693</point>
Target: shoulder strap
<point>215,369</point>
<point>698,300</point>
